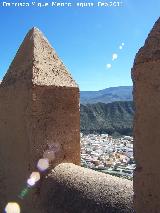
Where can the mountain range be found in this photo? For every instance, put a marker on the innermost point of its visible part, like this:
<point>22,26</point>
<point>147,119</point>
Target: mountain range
<point>108,111</point>
<point>109,95</point>
<point>114,118</point>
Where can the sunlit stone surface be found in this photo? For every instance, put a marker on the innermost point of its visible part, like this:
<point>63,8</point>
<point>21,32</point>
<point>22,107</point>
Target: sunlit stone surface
<point>12,208</point>
<point>43,164</point>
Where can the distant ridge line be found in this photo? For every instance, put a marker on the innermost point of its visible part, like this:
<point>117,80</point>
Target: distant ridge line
<point>108,95</point>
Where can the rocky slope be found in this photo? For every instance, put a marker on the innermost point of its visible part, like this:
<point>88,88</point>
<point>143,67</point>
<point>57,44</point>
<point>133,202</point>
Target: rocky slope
<point>113,118</point>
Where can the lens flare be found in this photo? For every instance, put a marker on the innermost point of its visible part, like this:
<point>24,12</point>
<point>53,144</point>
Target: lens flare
<point>35,176</point>
<point>12,207</point>
<point>43,164</point>
<point>23,193</point>
<point>114,56</point>
<point>108,66</point>
<point>31,182</point>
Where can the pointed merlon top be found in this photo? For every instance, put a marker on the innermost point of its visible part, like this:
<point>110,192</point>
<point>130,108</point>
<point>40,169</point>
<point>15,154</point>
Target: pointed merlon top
<point>151,49</point>
<point>37,62</point>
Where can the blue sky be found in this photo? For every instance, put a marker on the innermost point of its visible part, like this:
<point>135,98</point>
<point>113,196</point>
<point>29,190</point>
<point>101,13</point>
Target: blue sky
<point>84,38</point>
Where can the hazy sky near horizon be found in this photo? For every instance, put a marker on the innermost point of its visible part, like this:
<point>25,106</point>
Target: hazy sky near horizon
<point>97,44</point>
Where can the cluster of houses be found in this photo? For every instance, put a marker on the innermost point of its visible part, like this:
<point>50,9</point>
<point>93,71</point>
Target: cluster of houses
<point>109,155</point>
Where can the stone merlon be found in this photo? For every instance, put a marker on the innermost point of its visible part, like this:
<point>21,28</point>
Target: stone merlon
<point>38,62</point>
<point>39,110</point>
<point>151,49</point>
<point>146,95</point>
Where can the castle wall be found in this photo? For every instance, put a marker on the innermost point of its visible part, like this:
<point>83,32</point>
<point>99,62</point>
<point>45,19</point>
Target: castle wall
<point>146,79</point>
<point>39,118</point>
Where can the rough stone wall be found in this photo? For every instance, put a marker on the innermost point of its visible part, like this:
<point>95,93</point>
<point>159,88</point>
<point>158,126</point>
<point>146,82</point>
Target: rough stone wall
<point>14,142</point>
<point>55,121</point>
<point>39,109</point>
<point>146,79</point>
<point>70,188</point>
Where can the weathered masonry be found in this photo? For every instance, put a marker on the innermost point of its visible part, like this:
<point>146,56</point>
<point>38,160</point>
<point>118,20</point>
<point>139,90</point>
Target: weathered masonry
<point>146,79</point>
<point>39,110</point>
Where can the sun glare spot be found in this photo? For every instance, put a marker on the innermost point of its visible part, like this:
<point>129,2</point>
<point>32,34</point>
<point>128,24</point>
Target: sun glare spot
<point>12,208</point>
<point>31,181</point>
<point>114,56</point>
<point>35,176</point>
<point>43,164</point>
<point>108,66</point>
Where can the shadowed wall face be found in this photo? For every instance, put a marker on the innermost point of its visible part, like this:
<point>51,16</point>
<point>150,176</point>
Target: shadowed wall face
<point>39,113</point>
<point>14,142</point>
<point>55,123</point>
<point>146,79</point>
